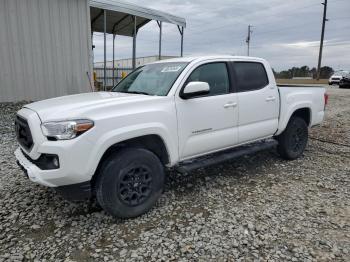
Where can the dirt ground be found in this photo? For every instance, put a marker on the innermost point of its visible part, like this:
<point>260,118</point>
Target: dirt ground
<point>254,208</point>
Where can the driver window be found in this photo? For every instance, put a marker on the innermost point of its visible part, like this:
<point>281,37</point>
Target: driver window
<point>215,74</point>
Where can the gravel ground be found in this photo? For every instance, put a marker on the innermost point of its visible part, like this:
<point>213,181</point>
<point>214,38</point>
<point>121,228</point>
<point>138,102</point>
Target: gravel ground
<point>254,208</point>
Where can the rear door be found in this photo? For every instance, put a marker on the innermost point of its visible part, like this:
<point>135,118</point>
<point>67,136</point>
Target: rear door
<point>258,101</point>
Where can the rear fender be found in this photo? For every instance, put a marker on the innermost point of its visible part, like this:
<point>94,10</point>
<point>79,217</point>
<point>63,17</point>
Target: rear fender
<point>289,112</point>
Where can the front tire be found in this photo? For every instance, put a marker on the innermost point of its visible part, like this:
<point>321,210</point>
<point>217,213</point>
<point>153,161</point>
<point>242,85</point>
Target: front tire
<point>130,182</point>
<point>292,142</point>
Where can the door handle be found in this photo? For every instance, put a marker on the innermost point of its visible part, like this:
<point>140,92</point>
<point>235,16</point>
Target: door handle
<point>230,104</point>
<point>270,98</point>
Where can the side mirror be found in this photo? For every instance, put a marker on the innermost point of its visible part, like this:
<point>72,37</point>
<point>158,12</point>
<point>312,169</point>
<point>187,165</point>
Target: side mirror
<point>196,88</point>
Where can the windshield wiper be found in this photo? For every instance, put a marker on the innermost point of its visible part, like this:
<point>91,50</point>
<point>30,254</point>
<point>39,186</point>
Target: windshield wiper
<point>135,92</point>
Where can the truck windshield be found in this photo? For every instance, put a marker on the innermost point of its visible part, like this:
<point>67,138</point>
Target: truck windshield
<point>153,79</point>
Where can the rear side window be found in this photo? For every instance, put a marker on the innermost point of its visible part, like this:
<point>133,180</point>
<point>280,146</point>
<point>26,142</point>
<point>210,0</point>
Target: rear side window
<point>215,74</point>
<point>250,76</point>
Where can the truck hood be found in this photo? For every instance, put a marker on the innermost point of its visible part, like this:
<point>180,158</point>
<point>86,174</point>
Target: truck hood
<point>73,106</point>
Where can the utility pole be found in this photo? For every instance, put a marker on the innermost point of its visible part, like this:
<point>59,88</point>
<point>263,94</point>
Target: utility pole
<point>248,38</point>
<point>322,37</point>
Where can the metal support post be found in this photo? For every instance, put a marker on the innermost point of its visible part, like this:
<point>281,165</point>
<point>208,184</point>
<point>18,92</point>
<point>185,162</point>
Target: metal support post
<point>113,59</point>
<point>134,45</point>
<point>160,24</point>
<point>105,50</point>
<point>181,30</point>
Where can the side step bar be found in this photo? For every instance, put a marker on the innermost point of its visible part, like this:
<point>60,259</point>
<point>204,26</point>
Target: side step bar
<point>216,158</point>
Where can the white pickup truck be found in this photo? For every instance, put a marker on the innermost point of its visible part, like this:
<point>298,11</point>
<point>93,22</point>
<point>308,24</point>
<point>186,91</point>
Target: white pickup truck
<point>181,113</point>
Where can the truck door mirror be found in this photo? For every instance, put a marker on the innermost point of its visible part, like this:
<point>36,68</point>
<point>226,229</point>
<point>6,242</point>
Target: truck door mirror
<point>193,89</point>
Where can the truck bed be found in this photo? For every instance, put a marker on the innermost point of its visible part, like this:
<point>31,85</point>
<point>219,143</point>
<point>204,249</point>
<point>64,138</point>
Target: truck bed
<point>297,85</point>
<point>301,96</point>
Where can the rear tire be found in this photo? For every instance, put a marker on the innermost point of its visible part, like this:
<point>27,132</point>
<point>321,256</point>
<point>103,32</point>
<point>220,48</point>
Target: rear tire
<point>292,142</point>
<point>130,182</point>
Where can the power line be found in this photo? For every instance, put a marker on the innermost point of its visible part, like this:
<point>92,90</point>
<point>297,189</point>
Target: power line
<point>260,24</point>
<point>261,35</point>
<point>338,44</point>
<point>330,44</point>
<point>240,29</point>
<point>278,30</point>
<point>340,18</point>
<point>229,23</point>
<point>290,28</point>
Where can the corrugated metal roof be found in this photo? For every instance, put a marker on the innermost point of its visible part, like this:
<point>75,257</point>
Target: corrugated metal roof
<point>120,16</point>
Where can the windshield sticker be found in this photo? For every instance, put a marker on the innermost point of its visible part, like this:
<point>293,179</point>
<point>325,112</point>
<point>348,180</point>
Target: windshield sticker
<point>171,69</point>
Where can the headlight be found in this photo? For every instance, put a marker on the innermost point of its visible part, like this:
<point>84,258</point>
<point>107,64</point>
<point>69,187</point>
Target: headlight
<point>64,130</point>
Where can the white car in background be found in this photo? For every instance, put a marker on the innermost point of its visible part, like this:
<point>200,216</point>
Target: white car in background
<point>336,77</point>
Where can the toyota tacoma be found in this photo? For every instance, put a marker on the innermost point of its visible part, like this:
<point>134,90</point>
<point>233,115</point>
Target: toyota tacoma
<point>181,114</point>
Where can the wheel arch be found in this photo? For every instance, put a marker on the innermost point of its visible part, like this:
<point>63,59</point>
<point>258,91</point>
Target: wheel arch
<point>152,142</point>
<point>302,111</point>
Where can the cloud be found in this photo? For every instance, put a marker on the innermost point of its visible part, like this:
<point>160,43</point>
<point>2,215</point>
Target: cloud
<point>304,44</point>
<point>286,33</point>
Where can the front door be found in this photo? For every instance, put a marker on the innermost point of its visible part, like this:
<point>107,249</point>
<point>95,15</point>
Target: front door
<point>208,123</point>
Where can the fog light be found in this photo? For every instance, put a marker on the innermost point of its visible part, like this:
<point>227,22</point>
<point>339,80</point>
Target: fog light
<point>45,161</point>
<point>55,162</point>
<point>48,162</point>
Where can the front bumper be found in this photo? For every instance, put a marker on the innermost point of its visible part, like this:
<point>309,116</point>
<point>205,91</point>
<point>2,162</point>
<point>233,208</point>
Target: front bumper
<point>79,191</point>
<point>334,81</point>
<point>34,173</point>
<point>75,165</point>
<point>73,168</point>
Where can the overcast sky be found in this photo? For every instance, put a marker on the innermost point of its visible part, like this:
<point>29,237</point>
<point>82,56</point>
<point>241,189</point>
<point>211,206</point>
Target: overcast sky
<point>286,33</point>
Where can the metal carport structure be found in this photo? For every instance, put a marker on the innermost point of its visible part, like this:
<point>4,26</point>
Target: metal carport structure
<point>122,18</point>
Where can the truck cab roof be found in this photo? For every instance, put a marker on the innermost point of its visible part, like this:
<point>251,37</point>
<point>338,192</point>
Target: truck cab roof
<point>190,59</point>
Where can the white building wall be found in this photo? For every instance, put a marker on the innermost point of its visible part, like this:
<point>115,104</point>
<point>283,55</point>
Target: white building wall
<point>45,49</point>
<point>121,66</point>
<point>127,63</point>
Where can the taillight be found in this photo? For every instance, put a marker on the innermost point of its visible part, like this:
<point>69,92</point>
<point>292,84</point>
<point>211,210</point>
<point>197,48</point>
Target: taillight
<point>325,99</point>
